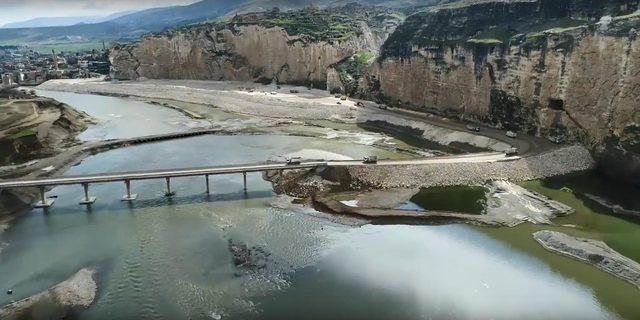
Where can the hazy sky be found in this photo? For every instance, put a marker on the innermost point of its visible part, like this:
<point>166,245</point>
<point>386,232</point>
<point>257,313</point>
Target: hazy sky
<point>20,10</point>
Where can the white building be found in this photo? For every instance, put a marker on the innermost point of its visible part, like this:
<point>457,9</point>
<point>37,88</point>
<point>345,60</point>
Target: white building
<point>7,80</point>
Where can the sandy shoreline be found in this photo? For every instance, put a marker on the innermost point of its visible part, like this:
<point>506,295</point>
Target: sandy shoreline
<point>79,291</point>
<point>271,101</point>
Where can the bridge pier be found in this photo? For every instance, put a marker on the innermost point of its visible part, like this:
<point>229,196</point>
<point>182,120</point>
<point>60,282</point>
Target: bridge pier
<point>87,200</point>
<point>44,202</point>
<point>206,178</point>
<point>244,178</point>
<point>169,193</point>
<point>129,196</point>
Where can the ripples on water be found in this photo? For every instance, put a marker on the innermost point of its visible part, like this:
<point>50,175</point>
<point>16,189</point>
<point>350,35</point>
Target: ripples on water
<point>170,258</point>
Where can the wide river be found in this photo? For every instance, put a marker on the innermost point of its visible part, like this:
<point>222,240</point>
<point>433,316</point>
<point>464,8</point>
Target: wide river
<point>170,258</point>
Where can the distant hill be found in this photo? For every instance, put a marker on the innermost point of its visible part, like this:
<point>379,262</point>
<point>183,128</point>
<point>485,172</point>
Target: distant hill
<point>263,5</point>
<point>62,21</point>
<point>129,27</point>
<point>122,28</point>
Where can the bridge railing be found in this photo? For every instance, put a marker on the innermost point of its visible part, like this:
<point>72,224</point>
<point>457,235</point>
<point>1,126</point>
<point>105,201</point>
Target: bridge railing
<point>127,177</point>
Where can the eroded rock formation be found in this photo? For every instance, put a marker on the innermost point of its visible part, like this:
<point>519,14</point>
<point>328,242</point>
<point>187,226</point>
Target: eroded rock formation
<point>566,70</point>
<point>294,47</point>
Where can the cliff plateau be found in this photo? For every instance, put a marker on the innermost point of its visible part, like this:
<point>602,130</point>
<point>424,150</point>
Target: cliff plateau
<point>295,47</point>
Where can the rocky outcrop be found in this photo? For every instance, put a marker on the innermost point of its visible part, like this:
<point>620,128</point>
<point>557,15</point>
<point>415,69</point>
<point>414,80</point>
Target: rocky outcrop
<point>596,253</point>
<point>32,128</point>
<point>565,70</point>
<point>58,302</point>
<point>294,47</point>
<point>508,206</point>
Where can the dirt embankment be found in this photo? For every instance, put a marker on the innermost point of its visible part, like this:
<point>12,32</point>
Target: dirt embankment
<point>556,162</point>
<point>33,128</point>
<point>58,302</point>
<point>37,127</point>
<point>380,197</point>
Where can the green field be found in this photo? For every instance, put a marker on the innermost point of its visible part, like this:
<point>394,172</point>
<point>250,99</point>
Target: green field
<point>67,47</point>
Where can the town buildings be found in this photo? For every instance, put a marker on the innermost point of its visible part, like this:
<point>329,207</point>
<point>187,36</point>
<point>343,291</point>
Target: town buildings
<point>25,67</point>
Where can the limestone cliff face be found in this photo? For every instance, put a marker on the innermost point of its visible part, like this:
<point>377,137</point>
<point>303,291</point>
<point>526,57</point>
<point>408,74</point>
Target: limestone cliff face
<point>575,82</point>
<point>591,87</point>
<point>247,48</point>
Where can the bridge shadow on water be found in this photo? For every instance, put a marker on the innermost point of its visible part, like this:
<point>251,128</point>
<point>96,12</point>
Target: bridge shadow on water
<point>156,202</point>
<point>200,198</point>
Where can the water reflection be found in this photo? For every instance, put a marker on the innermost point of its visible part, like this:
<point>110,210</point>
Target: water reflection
<point>450,272</point>
<point>170,258</point>
<point>124,118</point>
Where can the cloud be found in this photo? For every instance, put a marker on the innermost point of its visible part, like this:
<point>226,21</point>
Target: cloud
<point>20,10</point>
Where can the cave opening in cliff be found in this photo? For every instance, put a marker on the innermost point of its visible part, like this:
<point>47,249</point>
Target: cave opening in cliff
<point>556,104</point>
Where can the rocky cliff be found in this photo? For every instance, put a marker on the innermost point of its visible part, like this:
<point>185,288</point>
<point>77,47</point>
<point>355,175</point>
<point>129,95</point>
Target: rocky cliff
<point>291,47</point>
<point>562,69</point>
<point>567,70</point>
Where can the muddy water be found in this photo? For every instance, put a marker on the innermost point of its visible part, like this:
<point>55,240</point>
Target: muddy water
<point>170,257</point>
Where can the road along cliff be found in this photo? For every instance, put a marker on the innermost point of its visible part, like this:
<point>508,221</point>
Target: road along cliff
<point>564,70</point>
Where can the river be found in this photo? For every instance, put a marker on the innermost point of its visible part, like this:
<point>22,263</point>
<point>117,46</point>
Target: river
<point>170,258</point>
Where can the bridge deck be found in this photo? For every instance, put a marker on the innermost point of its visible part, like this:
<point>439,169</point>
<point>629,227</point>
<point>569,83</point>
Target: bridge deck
<point>157,174</point>
<point>244,168</point>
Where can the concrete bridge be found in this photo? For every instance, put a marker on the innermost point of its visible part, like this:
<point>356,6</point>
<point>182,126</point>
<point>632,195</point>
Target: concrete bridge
<point>128,177</point>
<point>167,175</point>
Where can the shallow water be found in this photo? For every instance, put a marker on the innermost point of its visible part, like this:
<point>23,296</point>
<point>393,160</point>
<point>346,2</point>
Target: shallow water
<point>462,199</point>
<point>169,258</point>
<point>124,118</point>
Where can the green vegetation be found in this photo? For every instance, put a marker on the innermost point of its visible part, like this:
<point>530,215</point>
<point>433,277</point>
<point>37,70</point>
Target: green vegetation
<point>509,112</point>
<point>363,58</point>
<point>485,41</point>
<point>24,133</point>
<point>634,15</point>
<point>316,25</point>
<point>465,23</point>
<point>495,35</point>
<point>67,47</point>
<point>330,25</point>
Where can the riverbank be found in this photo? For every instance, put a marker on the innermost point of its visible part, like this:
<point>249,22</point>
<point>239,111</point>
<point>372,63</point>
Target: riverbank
<point>15,201</point>
<point>33,129</point>
<point>447,172</point>
<point>288,102</point>
<point>37,127</point>
<point>158,247</point>
<point>77,292</point>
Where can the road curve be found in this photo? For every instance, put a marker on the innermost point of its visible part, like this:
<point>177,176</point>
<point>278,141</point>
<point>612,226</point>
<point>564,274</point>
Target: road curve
<point>526,144</point>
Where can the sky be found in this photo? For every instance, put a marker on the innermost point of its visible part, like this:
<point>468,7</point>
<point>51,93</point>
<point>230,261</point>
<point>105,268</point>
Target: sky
<point>21,10</point>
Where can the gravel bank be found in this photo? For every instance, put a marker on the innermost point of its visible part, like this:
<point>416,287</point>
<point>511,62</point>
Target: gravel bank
<point>269,101</point>
<point>508,205</point>
<point>593,252</point>
<point>557,162</point>
<point>228,96</point>
<point>79,291</point>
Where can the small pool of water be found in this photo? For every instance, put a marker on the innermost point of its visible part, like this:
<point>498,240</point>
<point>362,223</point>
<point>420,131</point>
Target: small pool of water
<point>462,199</point>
